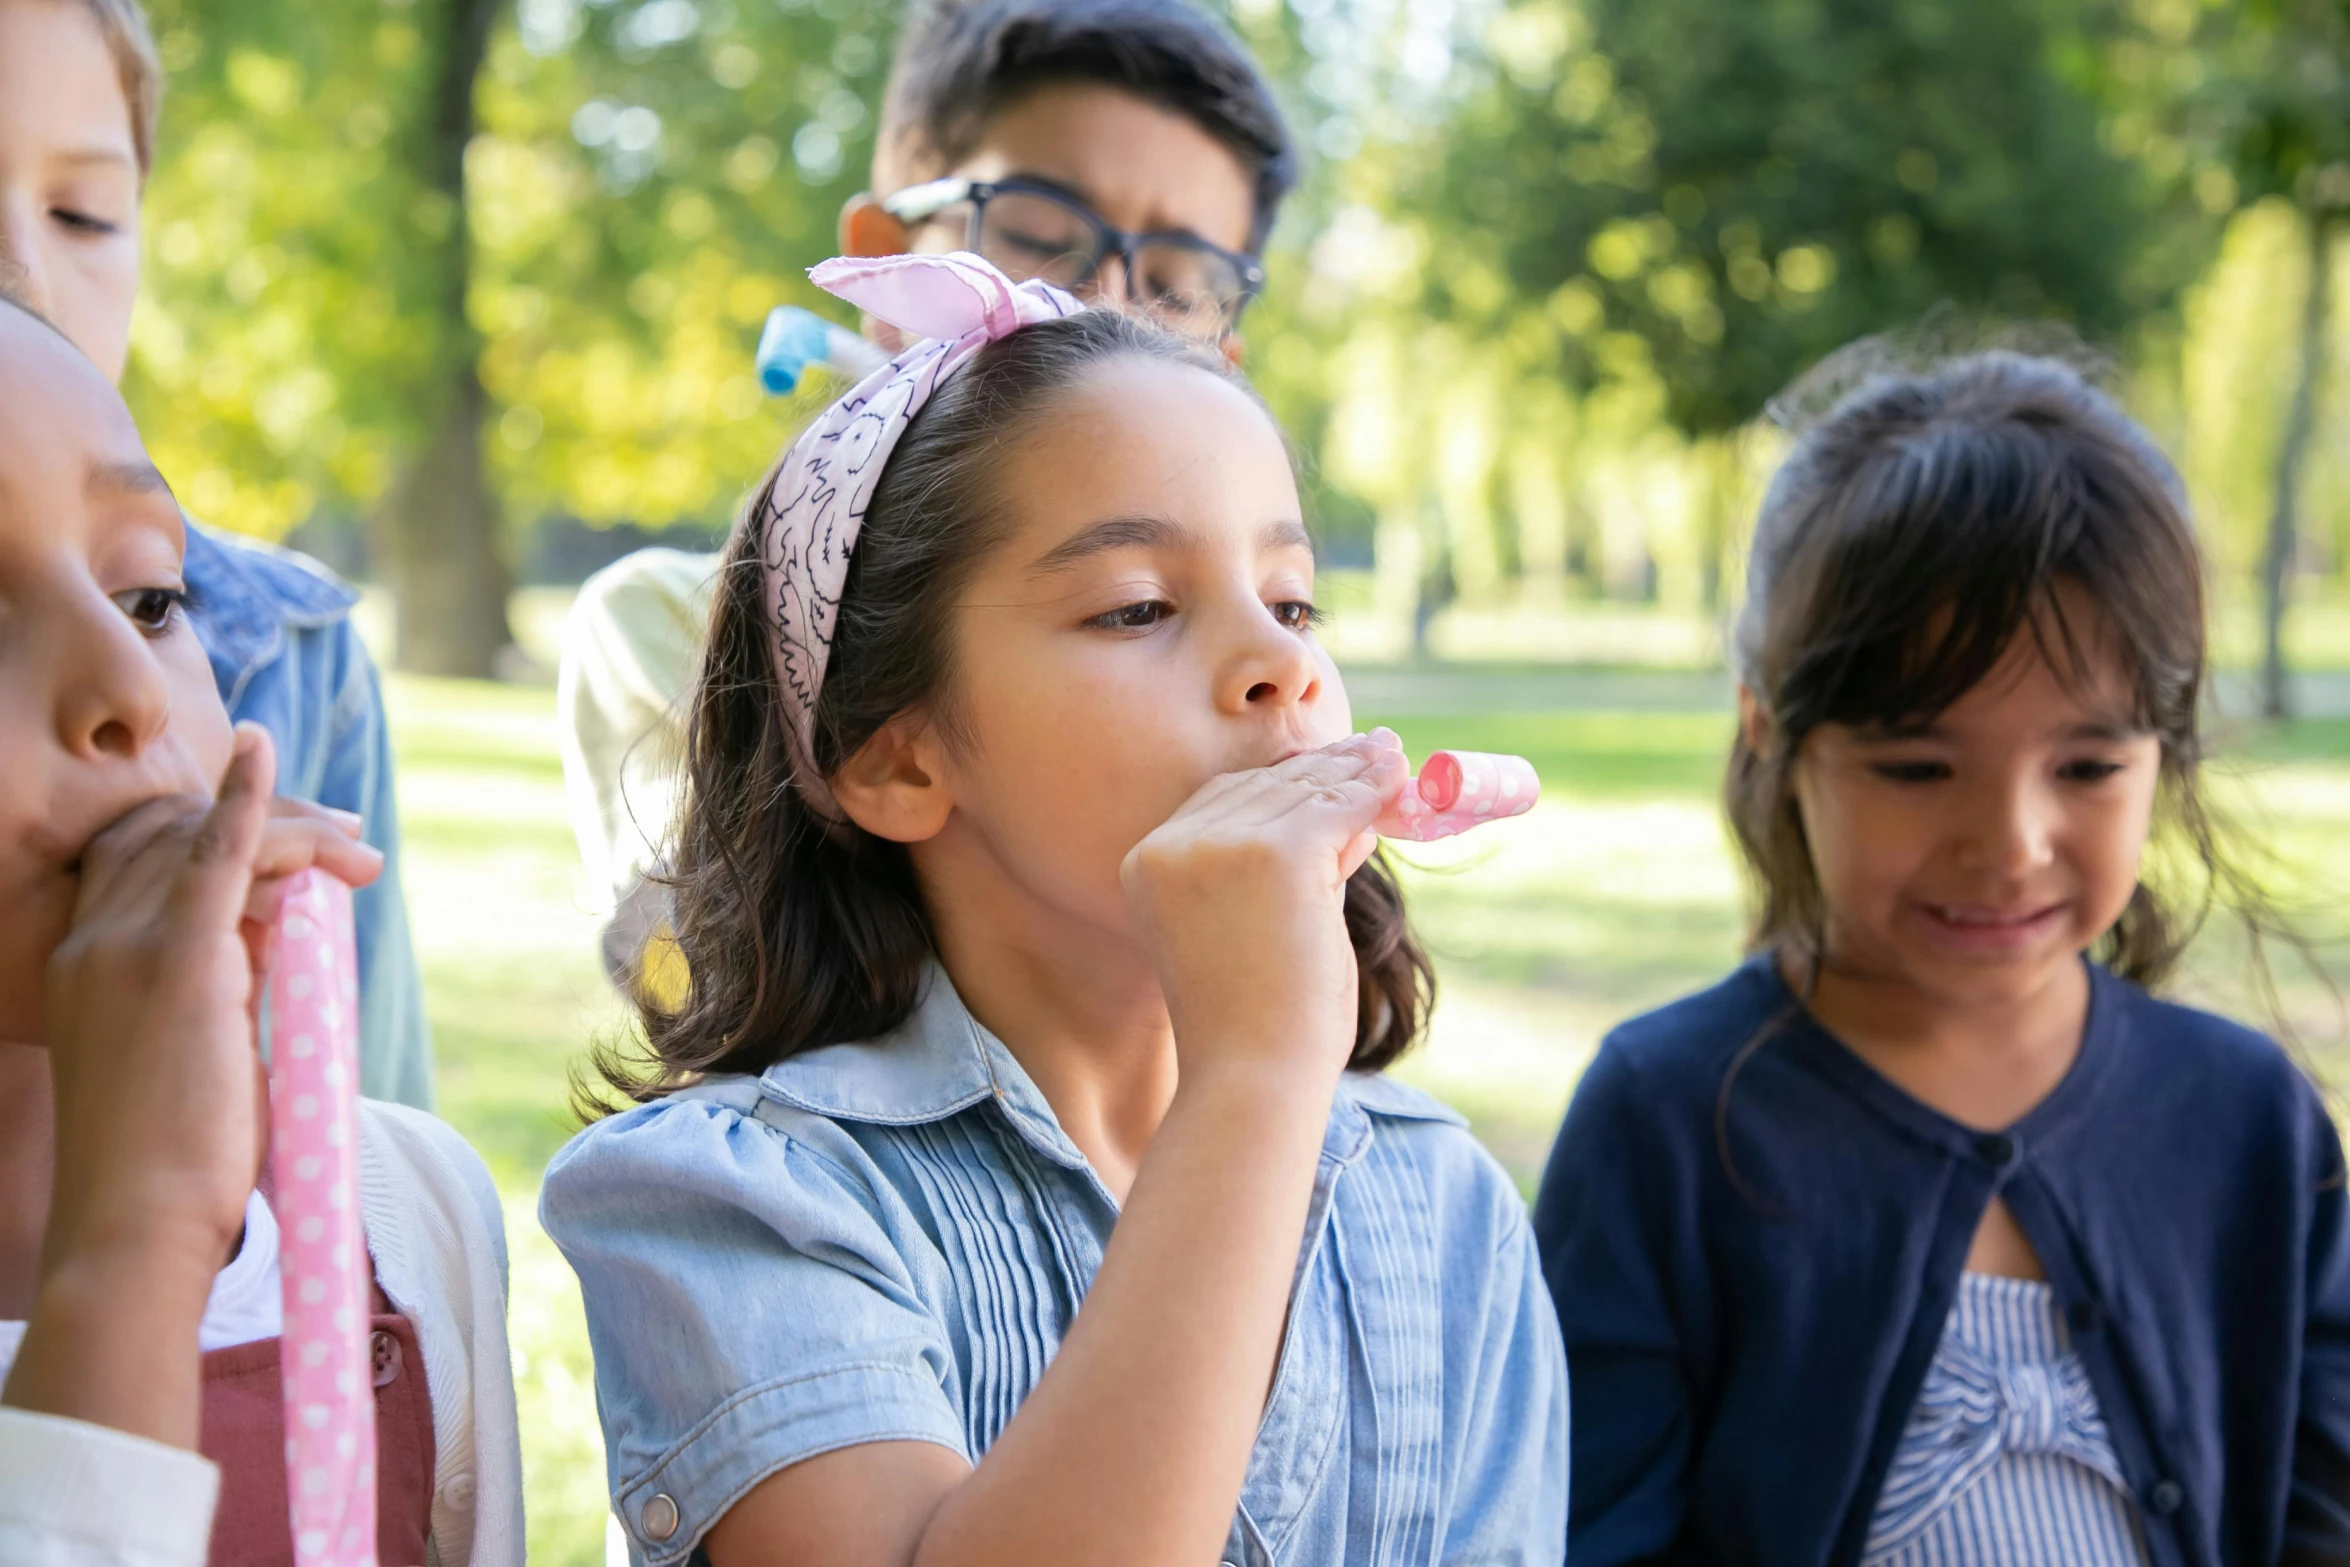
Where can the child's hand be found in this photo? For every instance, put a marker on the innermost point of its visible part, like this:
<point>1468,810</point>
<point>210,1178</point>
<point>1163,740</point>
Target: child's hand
<point>152,999</point>
<point>1241,895</point>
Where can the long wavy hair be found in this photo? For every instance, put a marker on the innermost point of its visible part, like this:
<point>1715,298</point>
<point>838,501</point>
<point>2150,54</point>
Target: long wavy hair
<point>798,930</point>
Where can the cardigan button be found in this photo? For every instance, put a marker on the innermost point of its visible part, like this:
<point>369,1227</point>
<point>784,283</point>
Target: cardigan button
<point>2163,1498</point>
<point>659,1519</point>
<point>383,1351</point>
<point>2084,1316</point>
<point>1995,1150</point>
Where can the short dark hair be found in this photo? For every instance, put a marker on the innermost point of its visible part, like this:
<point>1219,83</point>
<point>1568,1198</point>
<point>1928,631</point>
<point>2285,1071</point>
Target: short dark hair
<point>799,931</point>
<point>962,62</point>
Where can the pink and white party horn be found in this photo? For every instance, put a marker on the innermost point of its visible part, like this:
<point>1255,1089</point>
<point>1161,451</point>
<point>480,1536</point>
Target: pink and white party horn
<point>314,1158</point>
<point>1458,790</point>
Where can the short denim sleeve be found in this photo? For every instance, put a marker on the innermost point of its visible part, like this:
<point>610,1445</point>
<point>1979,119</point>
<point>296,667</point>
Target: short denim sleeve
<point>752,1301</point>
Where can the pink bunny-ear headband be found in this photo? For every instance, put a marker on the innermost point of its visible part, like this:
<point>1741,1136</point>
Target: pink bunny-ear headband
<point>810,515</point>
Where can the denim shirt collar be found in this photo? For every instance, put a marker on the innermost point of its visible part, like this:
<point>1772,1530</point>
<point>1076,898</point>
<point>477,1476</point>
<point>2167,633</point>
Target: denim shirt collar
<point>243,597</point>
<point>941,1061</point>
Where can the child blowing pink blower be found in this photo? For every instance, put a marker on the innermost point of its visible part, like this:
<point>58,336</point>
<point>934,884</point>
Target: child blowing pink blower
<point>1124,875</point>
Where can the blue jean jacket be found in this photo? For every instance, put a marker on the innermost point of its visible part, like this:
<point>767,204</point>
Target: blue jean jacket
<point>278,632</point>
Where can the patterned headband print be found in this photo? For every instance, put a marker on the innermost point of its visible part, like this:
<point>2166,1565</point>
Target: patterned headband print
<point>809,518</point>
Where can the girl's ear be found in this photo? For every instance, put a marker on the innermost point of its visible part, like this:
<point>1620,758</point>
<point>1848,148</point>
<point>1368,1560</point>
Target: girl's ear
<point>1754,722</point>
<point>894,786</point>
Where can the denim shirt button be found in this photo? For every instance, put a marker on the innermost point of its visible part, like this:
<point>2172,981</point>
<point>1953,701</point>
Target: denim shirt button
<point>2163,1498</point>
<point>659,1519</point>
<point>1995,1150</point>
<point>2084,1316</point>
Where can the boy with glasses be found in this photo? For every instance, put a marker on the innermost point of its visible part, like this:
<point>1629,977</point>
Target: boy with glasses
<point>1128,150</point>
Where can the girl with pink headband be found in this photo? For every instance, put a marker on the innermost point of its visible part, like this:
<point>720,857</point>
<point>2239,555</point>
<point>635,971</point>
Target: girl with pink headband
<point>1016,1180</point>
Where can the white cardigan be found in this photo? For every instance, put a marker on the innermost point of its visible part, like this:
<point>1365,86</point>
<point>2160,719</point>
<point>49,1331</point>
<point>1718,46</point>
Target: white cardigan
<point>438,1238</point>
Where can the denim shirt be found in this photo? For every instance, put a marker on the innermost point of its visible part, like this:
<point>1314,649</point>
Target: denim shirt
<point>888,1240</point>
<point>278,632</point>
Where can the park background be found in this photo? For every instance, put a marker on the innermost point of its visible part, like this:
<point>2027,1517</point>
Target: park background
<point>460,295</point>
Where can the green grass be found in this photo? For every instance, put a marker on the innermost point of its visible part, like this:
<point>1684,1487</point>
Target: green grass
<point>1616,894</point>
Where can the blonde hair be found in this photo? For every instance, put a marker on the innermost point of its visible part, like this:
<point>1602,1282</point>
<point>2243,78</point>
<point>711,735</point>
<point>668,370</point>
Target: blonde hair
<point>123,24</point>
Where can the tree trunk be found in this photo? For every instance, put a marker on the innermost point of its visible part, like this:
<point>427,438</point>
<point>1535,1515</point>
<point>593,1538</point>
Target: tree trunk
<point>448,575</point>
<point>2300,423</point>
<point>437,534</point>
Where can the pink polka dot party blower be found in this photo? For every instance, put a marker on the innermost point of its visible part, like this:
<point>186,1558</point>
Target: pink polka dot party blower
<point>314,1149</point>
<point>1458,790</point>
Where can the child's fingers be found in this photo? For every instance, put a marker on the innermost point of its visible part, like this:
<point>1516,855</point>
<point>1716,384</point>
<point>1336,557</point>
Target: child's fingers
<point>211,889</point>
<point>347,823</point>
<point>1358,851</point>
<point>266,902</point>
<point>1308,772</point>
<point>260,938</point>
<point>114,853</point>
<point>1346,787</point>
<point>295,839</point>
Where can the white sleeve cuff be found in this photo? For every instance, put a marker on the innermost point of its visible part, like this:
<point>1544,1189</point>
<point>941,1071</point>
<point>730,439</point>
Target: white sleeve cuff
<point>62,1487</point>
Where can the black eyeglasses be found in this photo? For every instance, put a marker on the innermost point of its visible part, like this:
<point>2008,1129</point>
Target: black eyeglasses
<point>1033,230</point>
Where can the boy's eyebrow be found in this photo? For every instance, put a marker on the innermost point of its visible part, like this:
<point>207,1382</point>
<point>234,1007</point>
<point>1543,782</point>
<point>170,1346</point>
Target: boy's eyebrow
<point>134,478</point>
<point>1140,532</point>
<point>1074,193</point>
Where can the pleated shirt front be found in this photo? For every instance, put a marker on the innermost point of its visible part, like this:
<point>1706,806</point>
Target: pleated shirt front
<point>888,1240</point>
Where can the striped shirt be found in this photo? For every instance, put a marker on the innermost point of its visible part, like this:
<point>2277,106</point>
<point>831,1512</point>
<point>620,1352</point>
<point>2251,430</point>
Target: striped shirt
<point>2005,1459</point>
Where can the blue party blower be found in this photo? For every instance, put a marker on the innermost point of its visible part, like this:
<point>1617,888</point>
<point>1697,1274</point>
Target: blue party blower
<point>795,340</point>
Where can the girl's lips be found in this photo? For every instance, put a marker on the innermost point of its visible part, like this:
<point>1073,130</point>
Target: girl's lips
<point>1976,929</point>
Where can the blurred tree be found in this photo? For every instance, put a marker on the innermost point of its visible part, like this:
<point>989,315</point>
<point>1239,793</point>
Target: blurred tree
<point>1726,193</point>
<point>438,533</point>
<point>2275,99</point>
<point>650,180</point>
<point>453,268</point>
<point>302,346</point>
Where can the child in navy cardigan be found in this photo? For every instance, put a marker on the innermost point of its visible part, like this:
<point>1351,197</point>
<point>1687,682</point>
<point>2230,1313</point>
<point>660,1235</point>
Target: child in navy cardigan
<point>1928,1236</point>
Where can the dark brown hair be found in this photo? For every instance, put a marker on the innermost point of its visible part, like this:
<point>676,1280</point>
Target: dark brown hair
<point>799,931</point>
<point>1913,534</point>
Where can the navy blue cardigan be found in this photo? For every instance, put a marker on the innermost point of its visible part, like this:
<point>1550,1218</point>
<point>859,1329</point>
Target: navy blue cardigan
<point>1744,1350</point>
